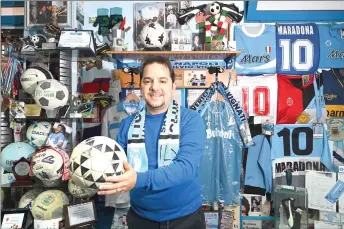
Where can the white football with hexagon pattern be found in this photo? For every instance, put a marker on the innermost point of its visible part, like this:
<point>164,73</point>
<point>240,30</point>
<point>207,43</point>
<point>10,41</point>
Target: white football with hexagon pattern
<point>47,164</point>
<point>94,159</point>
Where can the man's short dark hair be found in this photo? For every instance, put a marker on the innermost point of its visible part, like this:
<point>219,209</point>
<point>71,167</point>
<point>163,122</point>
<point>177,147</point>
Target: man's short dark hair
<point>160,60</point>
<point>63,128</point>
<point>246,204</point>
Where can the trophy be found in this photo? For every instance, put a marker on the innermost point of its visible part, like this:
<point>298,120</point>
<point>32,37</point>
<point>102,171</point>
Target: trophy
<point>53,29</point>
<point>21,169</point>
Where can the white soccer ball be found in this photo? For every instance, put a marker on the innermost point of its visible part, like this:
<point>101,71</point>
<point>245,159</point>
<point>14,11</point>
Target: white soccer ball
<point>49,205</point>
<point>82,193</point>
<point>94,159</point>
<point>153,35</point>
<point>51,94</point>
<point>47,164</point>
<point>32,76</point>
<point>215,8</point>
<point>27,199</point>
<point>38,133</point>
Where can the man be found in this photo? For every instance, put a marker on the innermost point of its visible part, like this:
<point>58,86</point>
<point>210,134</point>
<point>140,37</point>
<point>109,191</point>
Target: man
<point>245,207</point>
<point>57,139</point>
<point>164,182</point>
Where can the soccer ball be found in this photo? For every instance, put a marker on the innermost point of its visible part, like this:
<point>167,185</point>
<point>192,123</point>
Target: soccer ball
<point>32,76</point>
<point>27,199</point>
<point>153,35</point>
<point>13,152</point>
<point>94,159</point>
<point>37,133</point>
<point>77,191</point>
<point>215,8</point>
<point>49,205</point>
<point>47,164</point>
<point>51,94</point>
<point>37,40</point>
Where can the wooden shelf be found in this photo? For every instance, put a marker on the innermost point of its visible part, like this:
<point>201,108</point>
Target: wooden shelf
<point>173,52</point>
<point>176,55</point>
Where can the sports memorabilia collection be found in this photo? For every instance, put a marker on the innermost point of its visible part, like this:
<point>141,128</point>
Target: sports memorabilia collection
<point>273,112</point>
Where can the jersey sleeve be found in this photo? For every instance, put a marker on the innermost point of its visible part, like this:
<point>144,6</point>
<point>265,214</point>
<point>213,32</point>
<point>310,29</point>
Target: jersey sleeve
<point>326,158</point>
<point>265,164</point>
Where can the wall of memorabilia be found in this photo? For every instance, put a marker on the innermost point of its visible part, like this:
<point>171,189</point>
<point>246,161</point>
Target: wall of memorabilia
<point>270,94</point>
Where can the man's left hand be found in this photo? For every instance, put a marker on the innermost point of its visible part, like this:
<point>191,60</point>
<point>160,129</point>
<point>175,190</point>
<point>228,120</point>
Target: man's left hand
<point>122,183</point>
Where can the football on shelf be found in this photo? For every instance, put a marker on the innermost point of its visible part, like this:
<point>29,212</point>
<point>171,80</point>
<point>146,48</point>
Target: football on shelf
<point>51,94</point>
<point>38,133</point>
<point>32,76</point>
<point>13,152</point>
<point>82,193</point>
<point>49,205</point>
<point>94,159</point>
<point>153,35</point>
<point>47,164</point>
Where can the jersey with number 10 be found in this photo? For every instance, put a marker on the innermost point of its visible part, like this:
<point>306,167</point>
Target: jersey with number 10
<point>298,48</point>
<point>295,148</point>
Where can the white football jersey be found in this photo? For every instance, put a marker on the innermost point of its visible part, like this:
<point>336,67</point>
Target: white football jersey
<point>258,95</point>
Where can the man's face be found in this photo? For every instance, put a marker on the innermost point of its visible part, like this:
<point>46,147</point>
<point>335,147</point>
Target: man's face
<point>157,88</point>
<point>243,210</point>
<point>58,129</point>
<point>196,39</point>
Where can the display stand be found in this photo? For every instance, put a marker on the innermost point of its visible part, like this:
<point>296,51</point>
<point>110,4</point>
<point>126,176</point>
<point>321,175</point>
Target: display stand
<point>291,199</point>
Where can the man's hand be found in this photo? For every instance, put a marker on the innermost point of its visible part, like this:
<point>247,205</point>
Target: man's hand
<point>122,183</point>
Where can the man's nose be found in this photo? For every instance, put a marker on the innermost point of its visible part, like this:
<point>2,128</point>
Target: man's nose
<point>155,85</point>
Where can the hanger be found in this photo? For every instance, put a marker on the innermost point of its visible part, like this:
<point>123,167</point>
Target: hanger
<point>216,71</point>
<point>132,97</point>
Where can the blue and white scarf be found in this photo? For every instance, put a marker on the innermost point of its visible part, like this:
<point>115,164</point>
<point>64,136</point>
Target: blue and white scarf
<point>168,144</point>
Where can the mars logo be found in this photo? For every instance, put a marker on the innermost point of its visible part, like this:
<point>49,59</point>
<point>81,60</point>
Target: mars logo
<point>248,59</point>
<point>336,54</point>
<point>290,102</point>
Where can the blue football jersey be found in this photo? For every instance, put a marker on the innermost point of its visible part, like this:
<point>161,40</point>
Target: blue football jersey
<point>258,49</point>
<point>294,148</point>
<point>331,45</point>
<point>221,162</point>
<point>333,82</point>
<point>258,165</point>
<point>297,48</point>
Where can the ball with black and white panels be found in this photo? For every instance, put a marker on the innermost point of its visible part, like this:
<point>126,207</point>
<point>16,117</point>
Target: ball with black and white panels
<point>95,159</point>
<point>51,94</point>
<point>32,76</point>
<point>153,35</point>
<point>47,164</point>
<point>215,8</point>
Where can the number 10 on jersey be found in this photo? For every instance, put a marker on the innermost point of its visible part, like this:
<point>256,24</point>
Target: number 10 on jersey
<point>298,54</point>
<point>258,99</point>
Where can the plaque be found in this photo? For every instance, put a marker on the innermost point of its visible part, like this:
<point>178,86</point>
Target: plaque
<point>81,40</point>
<point>80,215</point>
<point>21,169</point>
<point>14,218</point>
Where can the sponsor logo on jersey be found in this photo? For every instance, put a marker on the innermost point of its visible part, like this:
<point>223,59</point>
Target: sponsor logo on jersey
<point>298,166</point>
<point>335,111</point>
<point>219,133</point>
<point>295,30</point>
<point>248,59</point>
<point>336,54</point>
<point>330,96</point>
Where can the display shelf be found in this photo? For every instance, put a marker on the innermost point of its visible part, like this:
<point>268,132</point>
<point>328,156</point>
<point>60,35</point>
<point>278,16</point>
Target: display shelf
<point>52,55</point>
<point>177,55</point>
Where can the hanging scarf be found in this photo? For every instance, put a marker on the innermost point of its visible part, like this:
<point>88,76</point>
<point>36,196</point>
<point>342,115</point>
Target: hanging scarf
<point>168,144</point>
<point>240,116</point>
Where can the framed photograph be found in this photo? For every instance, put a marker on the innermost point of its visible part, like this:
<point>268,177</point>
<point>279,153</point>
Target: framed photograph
<point>38,13</point>
<point>171,9</point>
<point>14,218</point>
<point>58,137</point>
<point>195,78</point>
<point>211,219</point>
<point>198,41</point>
